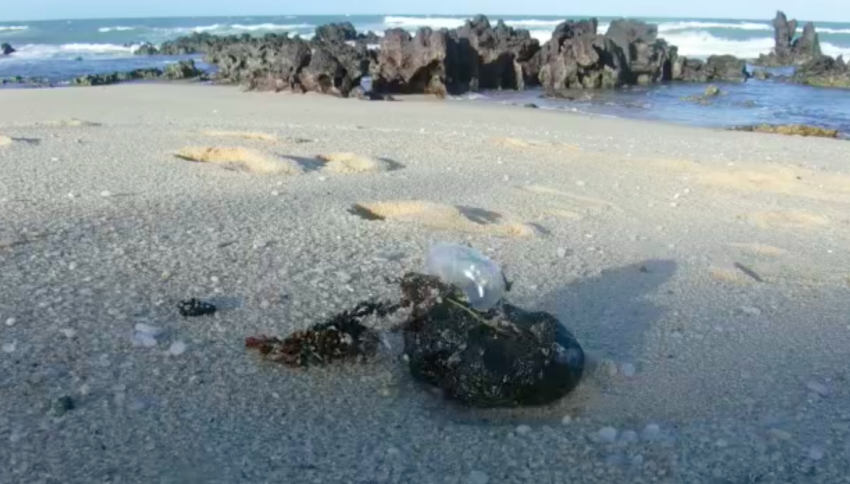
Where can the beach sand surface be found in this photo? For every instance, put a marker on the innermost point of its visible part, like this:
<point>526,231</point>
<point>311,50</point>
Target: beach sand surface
<point>705,272</point>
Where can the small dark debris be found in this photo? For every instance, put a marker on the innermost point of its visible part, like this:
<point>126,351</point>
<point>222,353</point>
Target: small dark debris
<point>63,405</point>
<point>644,269</point>
<point>195,307</point>
<point>341,337</point>
<point>532,106</point>
<point>746,270</point>
<point>364,213</point>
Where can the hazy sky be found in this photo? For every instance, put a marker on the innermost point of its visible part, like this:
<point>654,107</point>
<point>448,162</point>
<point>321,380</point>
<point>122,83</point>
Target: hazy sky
<point>826,10</point>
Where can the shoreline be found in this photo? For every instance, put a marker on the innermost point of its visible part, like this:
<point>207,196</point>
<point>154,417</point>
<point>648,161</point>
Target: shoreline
<point>633,236</point>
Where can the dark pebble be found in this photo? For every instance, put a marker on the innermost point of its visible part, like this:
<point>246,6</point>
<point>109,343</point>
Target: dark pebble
<point>195,307</point>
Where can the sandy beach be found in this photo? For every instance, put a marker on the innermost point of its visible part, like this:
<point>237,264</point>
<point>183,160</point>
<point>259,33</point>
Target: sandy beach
<point>706,273</point>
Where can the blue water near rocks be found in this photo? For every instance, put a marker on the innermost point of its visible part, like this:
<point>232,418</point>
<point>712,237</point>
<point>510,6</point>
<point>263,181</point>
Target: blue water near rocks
<point>752,102</point>
<point>62,49</point>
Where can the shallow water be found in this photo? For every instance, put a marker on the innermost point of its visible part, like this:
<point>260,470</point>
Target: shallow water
<point>752,102</point>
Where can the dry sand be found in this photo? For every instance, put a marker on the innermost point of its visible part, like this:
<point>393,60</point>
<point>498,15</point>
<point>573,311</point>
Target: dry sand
<point>706,272</point>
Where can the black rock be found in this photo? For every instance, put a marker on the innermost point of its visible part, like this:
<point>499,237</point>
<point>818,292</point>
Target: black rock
<point>531,106</point>
<point>578,57</point>
<point>506,357</point>
<point>182,70</point>
<point>197,43</point>
<point>340,32</point>
<point>195,307</point>
<point>146,49</point>
<point>369,38</point>
<point>715,68</point>
<point>411,65</point>
<point>823,71</point>
<point>62,405</point>
<point>26,81</point>
<point>360,93</point>
<point>470,58</point>
<point>117,77</point>
<point>6,49</point>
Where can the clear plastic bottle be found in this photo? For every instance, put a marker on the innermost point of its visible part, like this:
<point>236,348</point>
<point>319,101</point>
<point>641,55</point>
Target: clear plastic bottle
<point>471,271</point>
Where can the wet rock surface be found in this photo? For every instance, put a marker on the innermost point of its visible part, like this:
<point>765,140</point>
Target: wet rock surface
<point>177,71</point>
<point>506,357</point>
<point>790,130</point>
<point>715,68</point>
<point>824,71</point>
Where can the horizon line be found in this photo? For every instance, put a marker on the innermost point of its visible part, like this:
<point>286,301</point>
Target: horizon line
<point>465,15</point>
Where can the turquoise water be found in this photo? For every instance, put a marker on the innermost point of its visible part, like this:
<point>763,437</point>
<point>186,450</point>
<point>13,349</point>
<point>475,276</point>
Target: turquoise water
<point>62,49</point>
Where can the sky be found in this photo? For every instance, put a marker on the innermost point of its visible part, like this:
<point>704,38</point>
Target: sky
<point>824,10</point>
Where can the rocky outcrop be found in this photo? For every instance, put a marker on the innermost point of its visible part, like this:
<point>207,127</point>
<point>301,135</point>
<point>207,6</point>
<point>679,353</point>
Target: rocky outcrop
<point>787,50</point>
<point>26,81</point>
<point>472,57</point>
<point>630,52</point>
<point>196,43</point>
<point>475,56</point>
<point>369,38</point>
<point>412,64</point>
<point>790,130</point>
<point>182,70</point>
<point>116,77</point>
<point>176,71</point>
<point>648,59</point>
<point>340,32</point>
<point>6,49</point>
<point>715,68</point>
<point>824,71</point>
<point>491,58</point>
<point>146,49</point>
<point>279,63</point>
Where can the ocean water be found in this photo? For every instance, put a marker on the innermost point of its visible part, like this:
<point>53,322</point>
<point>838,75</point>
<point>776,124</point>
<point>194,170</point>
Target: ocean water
<point>62,49</point>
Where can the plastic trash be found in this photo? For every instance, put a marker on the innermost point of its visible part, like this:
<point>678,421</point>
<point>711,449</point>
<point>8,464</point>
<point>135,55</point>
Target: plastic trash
<point>471,271</point>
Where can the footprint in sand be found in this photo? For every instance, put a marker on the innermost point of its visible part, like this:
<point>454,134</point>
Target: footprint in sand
<point>443,217</point>
<point>786,220</point>
<point>249,135</point>
<point>522,144</point>
<point>351,163</point>
<point>776,179</point>
<point>241,159</point>
<point>756,249</point>
<point>568,205</point>
<point>732,275</point>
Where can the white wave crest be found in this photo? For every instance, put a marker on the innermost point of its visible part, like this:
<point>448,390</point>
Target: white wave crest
<point>71,51</point>
<point>827,30</point>
<point>235,28</point>
<point>201,28</point>
<point>703,44</point>
<point>13,28</point>
<point>533,23</point>
<point>696,25</point>
<point>433,22</point>
<point>271,27</point>
<point>119,28</point>
<point>835,50</point>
